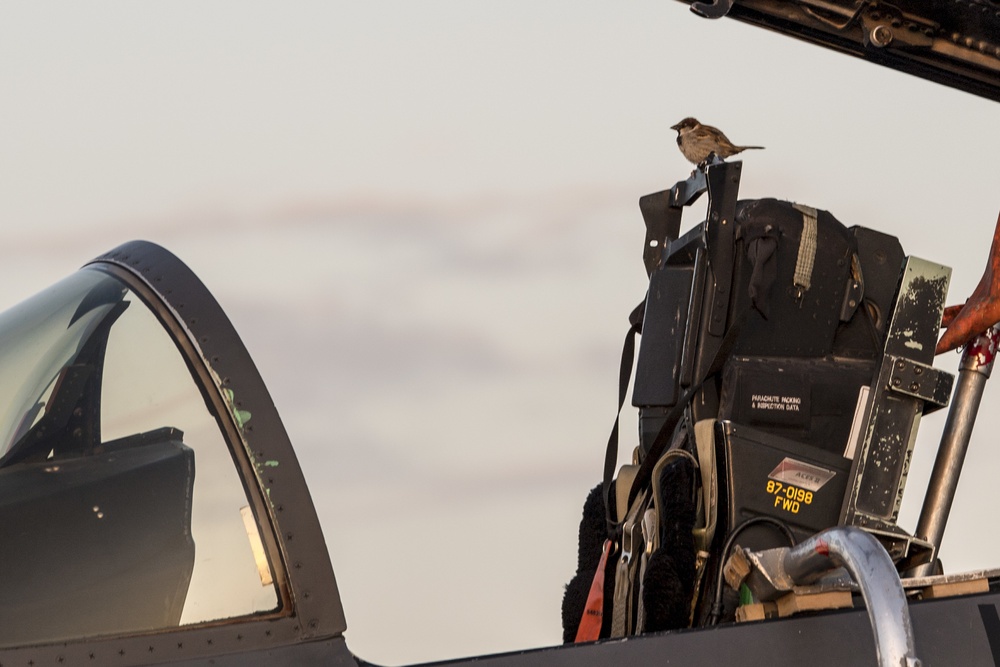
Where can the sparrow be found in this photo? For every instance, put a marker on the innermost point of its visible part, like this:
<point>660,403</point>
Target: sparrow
<point>699,142</point>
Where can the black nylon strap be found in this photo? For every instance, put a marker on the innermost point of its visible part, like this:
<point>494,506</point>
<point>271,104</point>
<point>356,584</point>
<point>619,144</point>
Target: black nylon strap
<point>624,374</point>
<point>665,434</point>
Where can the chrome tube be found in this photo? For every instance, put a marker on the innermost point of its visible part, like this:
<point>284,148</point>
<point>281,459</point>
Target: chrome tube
<point>871,568</point>
<point>974,370</point>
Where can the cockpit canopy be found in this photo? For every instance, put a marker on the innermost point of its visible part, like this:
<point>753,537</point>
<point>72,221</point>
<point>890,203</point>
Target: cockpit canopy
<point>121,504</point>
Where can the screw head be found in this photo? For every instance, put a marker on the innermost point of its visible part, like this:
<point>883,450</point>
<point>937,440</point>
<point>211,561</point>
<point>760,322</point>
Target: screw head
<point>881,36</point>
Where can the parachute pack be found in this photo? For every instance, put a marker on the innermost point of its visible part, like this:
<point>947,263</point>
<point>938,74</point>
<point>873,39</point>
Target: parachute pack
<point>784,365</point>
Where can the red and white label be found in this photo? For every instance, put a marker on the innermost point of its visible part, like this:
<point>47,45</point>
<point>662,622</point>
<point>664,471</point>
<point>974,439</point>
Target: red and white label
<point>801,474</point>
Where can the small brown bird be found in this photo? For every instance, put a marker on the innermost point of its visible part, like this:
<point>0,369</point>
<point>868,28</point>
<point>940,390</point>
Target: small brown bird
<point>698,142</point>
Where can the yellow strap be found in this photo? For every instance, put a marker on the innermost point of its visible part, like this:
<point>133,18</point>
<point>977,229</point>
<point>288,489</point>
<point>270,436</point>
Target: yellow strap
<point>704,439</point>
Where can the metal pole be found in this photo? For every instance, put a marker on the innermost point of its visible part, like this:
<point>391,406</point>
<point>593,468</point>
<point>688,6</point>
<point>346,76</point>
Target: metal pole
<point>974,370</point>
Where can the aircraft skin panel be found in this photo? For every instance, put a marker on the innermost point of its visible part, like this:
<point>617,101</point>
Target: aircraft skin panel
<point>956,631</point>
<point>329,653</point>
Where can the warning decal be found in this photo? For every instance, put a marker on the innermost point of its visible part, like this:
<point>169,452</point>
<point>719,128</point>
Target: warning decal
<point>778,399</point>
<point>775,402</point>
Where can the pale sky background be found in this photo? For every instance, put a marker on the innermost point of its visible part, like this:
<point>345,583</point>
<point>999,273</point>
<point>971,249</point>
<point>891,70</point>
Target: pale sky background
<point>422,217</point>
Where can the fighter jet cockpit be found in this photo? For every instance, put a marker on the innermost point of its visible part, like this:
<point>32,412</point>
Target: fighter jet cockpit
<point>121,504</point>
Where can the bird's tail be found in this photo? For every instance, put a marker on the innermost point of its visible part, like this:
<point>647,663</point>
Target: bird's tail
<point>750,148</point>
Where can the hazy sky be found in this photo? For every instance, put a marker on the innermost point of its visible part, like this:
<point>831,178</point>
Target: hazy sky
<point>422,219</point>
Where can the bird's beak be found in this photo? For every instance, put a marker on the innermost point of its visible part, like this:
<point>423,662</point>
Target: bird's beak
<point>675,127</point>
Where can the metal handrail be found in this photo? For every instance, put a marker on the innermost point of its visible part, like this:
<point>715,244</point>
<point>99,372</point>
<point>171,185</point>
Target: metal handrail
<point>778,570</point>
